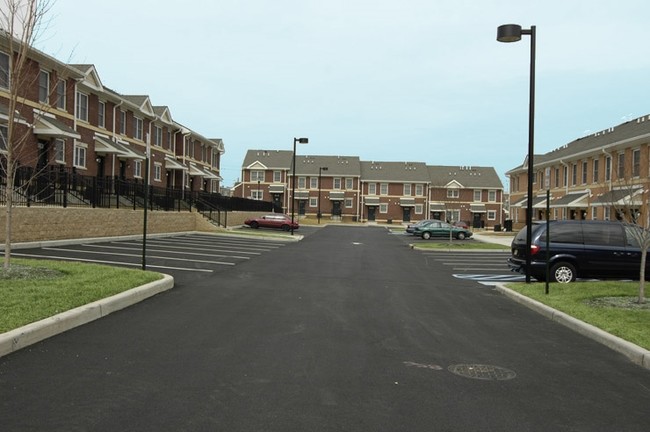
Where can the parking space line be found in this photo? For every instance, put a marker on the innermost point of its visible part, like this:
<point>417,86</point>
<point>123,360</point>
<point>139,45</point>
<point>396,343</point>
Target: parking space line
<point>167,251</point>
<point>137,255</point>
<point>189,248</point>
<point>108,262</point>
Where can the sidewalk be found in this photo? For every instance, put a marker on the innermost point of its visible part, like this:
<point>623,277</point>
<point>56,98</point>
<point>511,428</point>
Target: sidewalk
<point>504,239</point>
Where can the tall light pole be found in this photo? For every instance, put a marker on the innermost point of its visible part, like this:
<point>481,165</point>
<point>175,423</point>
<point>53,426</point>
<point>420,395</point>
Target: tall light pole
<point>320,171</point>
<point>513,33</point>
<point>293,177</point>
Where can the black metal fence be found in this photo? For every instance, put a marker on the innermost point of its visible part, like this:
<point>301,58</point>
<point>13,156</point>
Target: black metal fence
<point>64,187</point>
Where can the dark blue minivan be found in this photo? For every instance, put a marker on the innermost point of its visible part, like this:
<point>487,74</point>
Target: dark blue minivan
<point>579,249</point>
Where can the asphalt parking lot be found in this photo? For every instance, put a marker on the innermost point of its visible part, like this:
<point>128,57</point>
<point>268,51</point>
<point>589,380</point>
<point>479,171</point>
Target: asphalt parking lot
<point>197,252</point>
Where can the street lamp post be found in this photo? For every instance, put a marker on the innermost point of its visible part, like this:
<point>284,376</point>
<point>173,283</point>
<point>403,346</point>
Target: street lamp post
<point>320,170</point>
<point>513,33</point>
<point>293,177</point>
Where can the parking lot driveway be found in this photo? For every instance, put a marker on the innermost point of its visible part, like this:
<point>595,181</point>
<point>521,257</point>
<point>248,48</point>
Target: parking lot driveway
<point>346,330</point>
<point>183,253</point>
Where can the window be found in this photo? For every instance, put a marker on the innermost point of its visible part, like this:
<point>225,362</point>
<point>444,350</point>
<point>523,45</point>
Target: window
<point>169,143</point>
<point>157,171</point>
<point>383,189</point>
<point>349,183</point>
<point>453,193</point>
<point>60,94</point>
<point>372,188</point>
<point>158,137</point>
<point>123,122</point>
<point>349,203</point>
<point>407,189</point>
<point>82,106</point>
<point>59,150</point>
<point>302,183</point>
<point>337,183</point>
<point>557,177</point>
<point>453,215</point>
<point>594,213</point>
<point>584,172</point>
<point>3,138</point>
<point>607,213</point>
<point>492,196</point>
<point>419,190</point>
<point>636,163</point>
<point>80,155</point>
<point>4,70</point>
<point>478,195</point>
<point>574,174</point>
<point>419,208</point>
<point>565,176</point>
<point>137,128</point>
<point>383,208</point>
<point>101,115</point>
<point>595,171</point>
<point>491,215</point>
<point>313,202</point>
<point>44,87</point>
<point>257,175</point>
<point>215,158</point>
<point>137,168</point>
<point>277,176</point>
<point>313,182</point>
<point>620,171</point>
<point>603,234</point>
<point>608,168</point>
<point>257,195</point>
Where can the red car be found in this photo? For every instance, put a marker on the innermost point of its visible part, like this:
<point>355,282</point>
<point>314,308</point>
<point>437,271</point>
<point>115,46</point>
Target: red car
<point>274,220</point>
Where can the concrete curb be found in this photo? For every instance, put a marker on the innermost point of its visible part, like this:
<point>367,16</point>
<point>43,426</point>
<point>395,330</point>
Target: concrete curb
<point>37,331</point>
<point>635,353</point>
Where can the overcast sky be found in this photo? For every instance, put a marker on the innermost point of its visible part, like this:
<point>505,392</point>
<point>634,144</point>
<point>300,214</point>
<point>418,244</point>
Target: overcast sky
<point>386,80</point>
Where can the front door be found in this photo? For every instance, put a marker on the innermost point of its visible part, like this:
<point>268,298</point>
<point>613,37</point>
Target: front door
<point>301,207</point>
<point>336,208</point>
<point>406,214</point>
<point>371,213</point>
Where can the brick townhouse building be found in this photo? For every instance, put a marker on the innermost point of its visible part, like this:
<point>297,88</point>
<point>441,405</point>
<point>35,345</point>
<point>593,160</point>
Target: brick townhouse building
<point>600,176</point>
<point>73,123</point>
<point>346,188</point>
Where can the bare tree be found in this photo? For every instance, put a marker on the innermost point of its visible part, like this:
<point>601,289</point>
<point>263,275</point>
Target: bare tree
<point>20,23</point>
<point>632,210</point>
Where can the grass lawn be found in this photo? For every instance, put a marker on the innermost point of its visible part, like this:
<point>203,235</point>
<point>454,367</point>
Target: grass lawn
<point>609,305</point>
<point>37,289</point>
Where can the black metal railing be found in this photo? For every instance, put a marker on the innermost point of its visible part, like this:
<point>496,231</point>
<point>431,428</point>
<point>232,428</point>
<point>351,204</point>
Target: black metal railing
<point>58,186</point>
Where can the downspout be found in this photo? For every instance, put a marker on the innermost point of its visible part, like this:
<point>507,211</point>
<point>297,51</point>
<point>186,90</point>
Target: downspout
<point>114,136</point>
<point>185,135</point>
<point>566,188</point>
<point>611,158</point>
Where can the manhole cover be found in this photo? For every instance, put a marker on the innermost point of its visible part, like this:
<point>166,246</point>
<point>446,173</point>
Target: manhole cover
<point>483,372</point>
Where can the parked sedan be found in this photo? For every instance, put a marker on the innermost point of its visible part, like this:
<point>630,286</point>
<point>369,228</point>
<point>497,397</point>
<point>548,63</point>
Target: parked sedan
<point>410,228</point>
<point>441,229</point>
<point>274,220</point>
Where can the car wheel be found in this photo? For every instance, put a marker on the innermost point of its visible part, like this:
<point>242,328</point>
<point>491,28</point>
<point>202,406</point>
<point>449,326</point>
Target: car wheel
<point>255,225</point>
<point>285,227</point>
<point>460,236</point>
<point>426,235</point>
<point>563,272</point>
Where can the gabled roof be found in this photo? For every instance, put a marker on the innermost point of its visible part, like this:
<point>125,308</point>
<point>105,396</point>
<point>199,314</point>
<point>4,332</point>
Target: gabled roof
<point>271,159</point>
<point>336,165</point>
<point>164,114</point>
<point>142,102</point>
<point>395,172</point>
<point>469,177</point>
<point>91,77</point>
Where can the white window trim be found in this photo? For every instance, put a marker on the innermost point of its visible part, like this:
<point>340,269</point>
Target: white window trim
<point>157,171</point>
<point>75,161</point>
<point>313,202</point>
<point>78,112</point>
<point>383,208</point>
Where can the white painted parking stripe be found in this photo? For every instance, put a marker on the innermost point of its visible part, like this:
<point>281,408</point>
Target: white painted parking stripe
<point>189,248</point>
<point>140,255</point>
<point>165,251</point>
<point>108,262</point>
<point>246,245</point>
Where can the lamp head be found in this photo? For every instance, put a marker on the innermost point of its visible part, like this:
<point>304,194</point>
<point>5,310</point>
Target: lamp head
<point>301,140</point>
<point>324,168</point>
<point>509,33</point>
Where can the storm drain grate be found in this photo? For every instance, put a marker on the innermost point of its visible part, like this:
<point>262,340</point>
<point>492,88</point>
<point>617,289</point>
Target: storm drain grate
<point>482,372</point>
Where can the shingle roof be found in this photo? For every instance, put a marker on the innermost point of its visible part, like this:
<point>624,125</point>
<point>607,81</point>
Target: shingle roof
<point>469,177</point>
<point>336,165</point>
<point>272,159</point>
<point>397,172</point>
<point>623,135</point>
